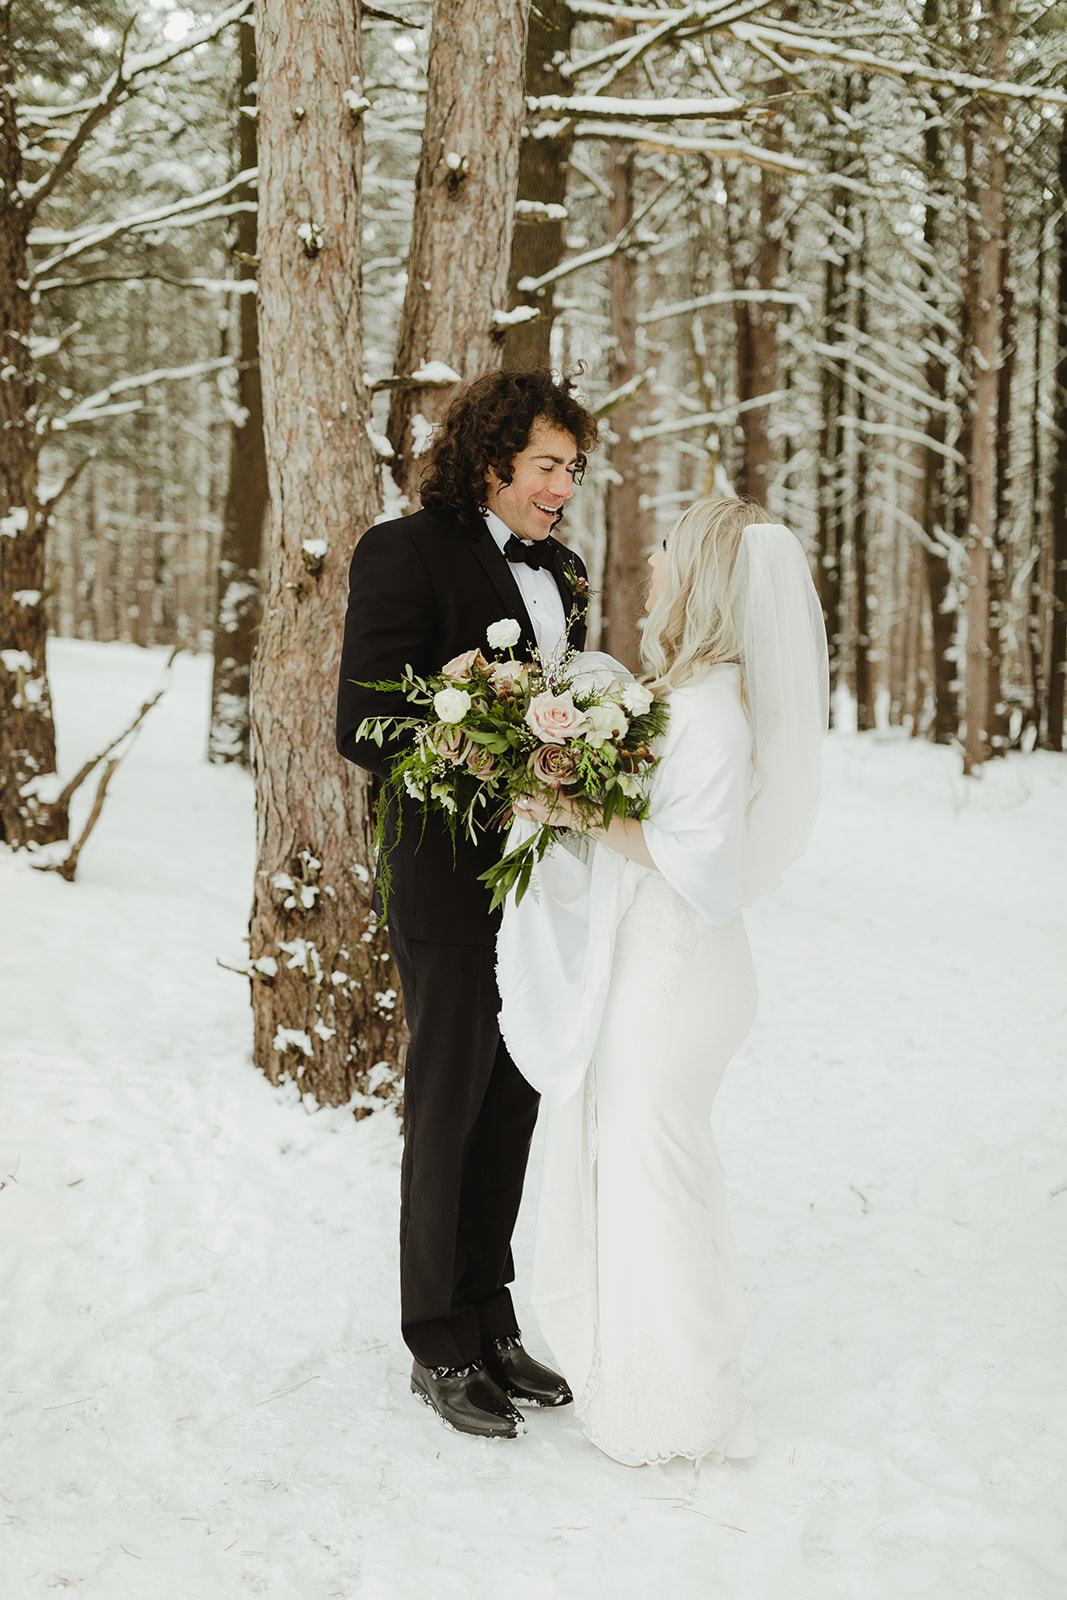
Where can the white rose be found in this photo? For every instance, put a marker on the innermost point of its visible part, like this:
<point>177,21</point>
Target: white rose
<point>451,705</point>
<point>637,699</point>
<point>503,634</point>
<point>603,722</point>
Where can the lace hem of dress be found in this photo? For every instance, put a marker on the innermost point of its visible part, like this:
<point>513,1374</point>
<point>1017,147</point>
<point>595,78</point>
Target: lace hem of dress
<point>635,1440</point>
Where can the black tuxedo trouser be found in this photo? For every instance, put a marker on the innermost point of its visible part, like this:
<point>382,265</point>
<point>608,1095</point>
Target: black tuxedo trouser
<point>468,1120</point>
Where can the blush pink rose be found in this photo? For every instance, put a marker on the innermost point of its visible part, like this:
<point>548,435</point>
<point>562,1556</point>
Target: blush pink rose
<point>554,717</point>
<point>553,766</point>
<point>451,745</point>
<point>480,761</point>
<point>461,666</point>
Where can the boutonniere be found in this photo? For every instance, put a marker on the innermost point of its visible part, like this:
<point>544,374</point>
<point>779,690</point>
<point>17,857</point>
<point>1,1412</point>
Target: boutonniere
<point>580,593</point>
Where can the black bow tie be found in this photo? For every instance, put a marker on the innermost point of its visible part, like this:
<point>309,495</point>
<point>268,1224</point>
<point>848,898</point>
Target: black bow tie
<point>534,555</point>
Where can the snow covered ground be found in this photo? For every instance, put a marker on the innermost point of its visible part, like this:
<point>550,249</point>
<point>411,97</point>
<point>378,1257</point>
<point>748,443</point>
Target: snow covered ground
<point>205,1396</point>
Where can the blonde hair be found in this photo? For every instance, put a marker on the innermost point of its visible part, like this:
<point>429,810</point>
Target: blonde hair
<point>691,626</point>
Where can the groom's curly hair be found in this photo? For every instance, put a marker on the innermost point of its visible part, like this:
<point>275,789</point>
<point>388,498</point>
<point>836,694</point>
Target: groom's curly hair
<point>488,424</point>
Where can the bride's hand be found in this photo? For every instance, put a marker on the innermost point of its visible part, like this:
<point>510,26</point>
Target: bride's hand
<point>557,813</point>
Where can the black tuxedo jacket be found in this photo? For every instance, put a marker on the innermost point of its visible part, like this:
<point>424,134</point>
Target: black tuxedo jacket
<point>423,589</point>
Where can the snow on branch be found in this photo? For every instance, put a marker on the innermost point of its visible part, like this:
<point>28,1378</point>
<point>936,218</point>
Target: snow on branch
<point>602,11</point>
<point>116,89</point>
<point>845,357</point>
<point>624,393</point>
<point>675,20</point>
<point>195,208</point>
<point>724,297</point>
<point>728,149</point>
<point>236,286</point>
<point>589,257</point>
<point>892,430</point>
<point>610,106</point>
<point>708,419</point>
<point>795,42</point>
<point>98,404</point>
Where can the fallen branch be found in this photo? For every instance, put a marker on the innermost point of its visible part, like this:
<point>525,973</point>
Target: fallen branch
<point>69,865</point>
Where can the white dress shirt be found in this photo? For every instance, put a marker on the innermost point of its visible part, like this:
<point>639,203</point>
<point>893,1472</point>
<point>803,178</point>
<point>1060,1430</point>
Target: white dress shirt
<point>539,593</point>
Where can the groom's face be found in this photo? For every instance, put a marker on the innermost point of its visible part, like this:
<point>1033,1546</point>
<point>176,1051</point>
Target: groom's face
<point>542,481</point>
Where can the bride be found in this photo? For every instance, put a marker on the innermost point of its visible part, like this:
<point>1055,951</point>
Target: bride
<point>627,985</point>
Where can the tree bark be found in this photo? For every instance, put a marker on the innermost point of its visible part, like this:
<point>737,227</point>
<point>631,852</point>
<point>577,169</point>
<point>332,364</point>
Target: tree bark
<point>757,329</point>
<point>865,685</point>
<point>830,521</point>
<point>935,497</point>
<point>241,550</point>
<point>1034,631</point>
<point>324,993</point>
<point>625,570</point>
<point>1056,674</point>
<point>1000,574</point>
<point>985,222</point>
<point>538,242</point>
<point>27,731</point>
<point>464,213</point>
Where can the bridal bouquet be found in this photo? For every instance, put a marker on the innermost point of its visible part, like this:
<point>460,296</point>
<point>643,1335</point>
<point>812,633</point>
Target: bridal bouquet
<point>483,734</point>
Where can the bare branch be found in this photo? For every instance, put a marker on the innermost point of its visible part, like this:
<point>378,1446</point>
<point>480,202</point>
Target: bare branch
<point>724,297</point>
<point>204,285</point>
<point>93,406</point>
<point>624,393</point>
<point>76,782</point>
<point>891,430</point>
<point>798,43</point>
<point>69,865</point>
<point>177,213</point>
<point>48,505</point>
<point>589,257</point>
<point>727,149</point>
<point>709,419</point>
<point>116,89</point>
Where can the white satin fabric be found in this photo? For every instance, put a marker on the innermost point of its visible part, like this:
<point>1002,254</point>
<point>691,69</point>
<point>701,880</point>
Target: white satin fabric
<point>624,994</point>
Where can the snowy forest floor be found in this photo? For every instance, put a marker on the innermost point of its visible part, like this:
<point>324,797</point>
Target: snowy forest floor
<point>205,1394</point>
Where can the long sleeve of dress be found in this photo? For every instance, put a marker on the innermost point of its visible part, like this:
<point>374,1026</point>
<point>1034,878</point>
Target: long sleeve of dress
<point>695,832</point>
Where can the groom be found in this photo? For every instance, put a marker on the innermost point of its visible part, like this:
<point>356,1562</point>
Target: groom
<point>424,589</point>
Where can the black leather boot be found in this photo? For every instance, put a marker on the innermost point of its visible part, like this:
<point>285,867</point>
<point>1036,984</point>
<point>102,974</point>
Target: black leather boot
<point>466,1398</point>
<point>523,1378</point>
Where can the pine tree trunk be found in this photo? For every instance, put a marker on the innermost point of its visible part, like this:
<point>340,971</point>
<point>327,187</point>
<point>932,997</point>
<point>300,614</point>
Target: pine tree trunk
<point>935,500</point>
<point>537,245</point>
<point>1000,575</point>
<point>464,212</point>
<point>830,531</point>
<point>240,554</point>
<point>324,992</point>
<point>1034,641</point>
<point>865,686</point>
<point>625,570</point>
<point>1056,675</point>
<point>27,731</point>
<point>757,337</point>
<point>985,213</point>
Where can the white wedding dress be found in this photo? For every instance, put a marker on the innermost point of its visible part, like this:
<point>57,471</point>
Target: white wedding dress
<point>625,992</point>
